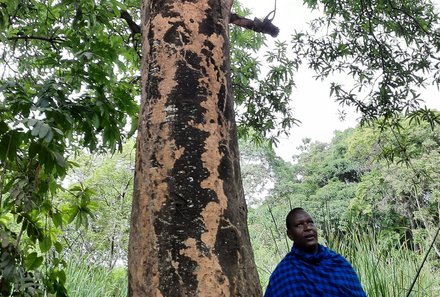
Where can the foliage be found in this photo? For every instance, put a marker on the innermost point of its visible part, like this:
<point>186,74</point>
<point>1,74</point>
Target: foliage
<point>389,48</point>
<point>381,215</point>
<point>261,89</point>
<point>70,84</point>
<point>384,271</point>
<point>67,84</point>
<point>256,170</point>
<point>353,176</point>
<point>105,238</point>
<point>85,279</point>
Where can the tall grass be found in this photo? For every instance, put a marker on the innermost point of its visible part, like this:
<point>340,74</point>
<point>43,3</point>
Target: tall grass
<point>88,280</point>
<point>384,270</point>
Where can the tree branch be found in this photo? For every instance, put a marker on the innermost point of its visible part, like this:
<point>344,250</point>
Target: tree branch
<point>52,40</point>
<point>256,25</point>
<point>135,28</point>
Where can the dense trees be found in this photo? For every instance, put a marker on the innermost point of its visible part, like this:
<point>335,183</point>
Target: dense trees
<point>373,211</point>
<point>351,180</point>
<point>67,84</point>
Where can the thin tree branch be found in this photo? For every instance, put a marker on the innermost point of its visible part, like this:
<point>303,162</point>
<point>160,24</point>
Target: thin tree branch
<point>408,15</point>
<point>256,25</point>
<point>52,40</point>
<point>422,264</point>
<point>134,28</point>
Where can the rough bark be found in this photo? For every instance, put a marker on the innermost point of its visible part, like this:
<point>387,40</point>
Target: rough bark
<point>188,233</point>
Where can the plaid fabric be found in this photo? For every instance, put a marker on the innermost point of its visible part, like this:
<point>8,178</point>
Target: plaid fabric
<point>324,274</point>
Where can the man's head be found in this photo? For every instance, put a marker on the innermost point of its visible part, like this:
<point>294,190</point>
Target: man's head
<point>302,230</point>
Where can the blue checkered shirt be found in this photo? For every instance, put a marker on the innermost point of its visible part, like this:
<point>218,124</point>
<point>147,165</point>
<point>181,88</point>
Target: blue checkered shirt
<point>323,274</point>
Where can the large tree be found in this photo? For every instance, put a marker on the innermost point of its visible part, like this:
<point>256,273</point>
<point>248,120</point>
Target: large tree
<point>69,83</point>
<point>189,233</point>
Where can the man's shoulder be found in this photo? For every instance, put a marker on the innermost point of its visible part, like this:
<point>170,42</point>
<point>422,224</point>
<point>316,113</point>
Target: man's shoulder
<point>285,264</point>
<point>334,255</point>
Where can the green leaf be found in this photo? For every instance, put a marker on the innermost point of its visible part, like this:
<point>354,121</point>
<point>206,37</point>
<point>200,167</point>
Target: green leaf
<point>73,212</point>
<point>57,219</point>
<point>33,261</point>
<point>36,129</point>
<point>59,159</point>
<point>58,246</point>
<point>44,129</point>
<point>6,218</point>
<point>32,122</point>
<point>61,275</point>
<point>33,149</point>
<point>49,136</point>
<point>45,244</point>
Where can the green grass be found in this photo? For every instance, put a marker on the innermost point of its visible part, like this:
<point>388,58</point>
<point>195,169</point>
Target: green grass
<point>383,270</point>
<point>387,271</point>
<point>87,280</point>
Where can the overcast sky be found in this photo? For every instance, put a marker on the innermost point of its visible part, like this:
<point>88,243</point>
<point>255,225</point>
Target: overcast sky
<point>310,100</point>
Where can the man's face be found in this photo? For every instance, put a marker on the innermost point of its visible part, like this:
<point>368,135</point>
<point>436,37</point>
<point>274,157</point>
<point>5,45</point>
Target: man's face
<point>302,231</point>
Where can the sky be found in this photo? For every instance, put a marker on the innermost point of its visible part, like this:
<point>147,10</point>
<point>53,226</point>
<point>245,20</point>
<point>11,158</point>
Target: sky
<point>310,99</point>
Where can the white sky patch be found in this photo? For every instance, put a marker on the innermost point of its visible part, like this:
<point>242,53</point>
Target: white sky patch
<point>310,100</point>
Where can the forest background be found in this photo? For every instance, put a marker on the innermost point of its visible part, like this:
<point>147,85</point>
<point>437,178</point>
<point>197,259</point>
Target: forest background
<point>373,190</point>
<point>382,216</point>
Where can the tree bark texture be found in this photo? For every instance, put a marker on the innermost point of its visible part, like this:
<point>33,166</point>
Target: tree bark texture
<point>189,234</point>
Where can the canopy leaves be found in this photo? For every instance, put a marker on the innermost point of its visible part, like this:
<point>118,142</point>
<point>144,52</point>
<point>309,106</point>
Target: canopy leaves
<point>390,48</point>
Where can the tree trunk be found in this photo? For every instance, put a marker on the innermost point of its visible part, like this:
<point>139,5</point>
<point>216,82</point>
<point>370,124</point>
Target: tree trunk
<point>189,234</point>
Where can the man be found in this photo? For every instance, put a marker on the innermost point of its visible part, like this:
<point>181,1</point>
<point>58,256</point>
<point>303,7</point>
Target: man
<point>311,269</point>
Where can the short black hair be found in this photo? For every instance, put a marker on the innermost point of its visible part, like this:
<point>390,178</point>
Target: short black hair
<point>291,213</point>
